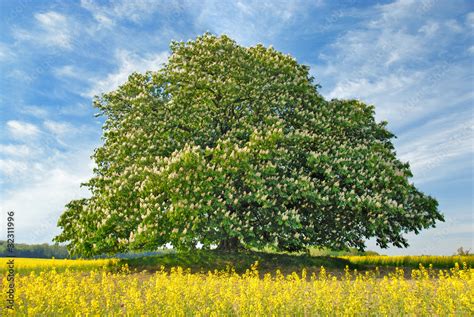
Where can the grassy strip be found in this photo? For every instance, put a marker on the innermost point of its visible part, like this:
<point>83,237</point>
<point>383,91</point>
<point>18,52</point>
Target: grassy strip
<point>204,261</point>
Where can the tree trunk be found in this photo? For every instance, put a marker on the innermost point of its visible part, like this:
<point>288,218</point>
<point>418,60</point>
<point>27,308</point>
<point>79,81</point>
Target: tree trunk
<point>230,244</point>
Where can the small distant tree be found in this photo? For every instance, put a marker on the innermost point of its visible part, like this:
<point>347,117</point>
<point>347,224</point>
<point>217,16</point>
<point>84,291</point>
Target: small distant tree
<point>461,251</point>
<point>234,147</point>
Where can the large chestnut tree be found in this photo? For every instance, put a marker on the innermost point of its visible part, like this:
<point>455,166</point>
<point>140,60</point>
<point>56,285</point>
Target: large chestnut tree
<point>234,147</point>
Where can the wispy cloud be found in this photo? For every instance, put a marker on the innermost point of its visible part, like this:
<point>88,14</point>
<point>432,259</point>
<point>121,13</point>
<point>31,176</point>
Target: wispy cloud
<point>76,109</point>
<point>137,11</point>
<point>432,148</point>
<point>66,71</point>
<point>50,29</point>
<point>51,184</point>
<point>22,130</point>
<point>58,128</point>
<point>385,61</point>
<point>404,66</point>
<point>20,150</point>
<point>43,172</point>
<point>35,111</point>
<point>6,53</point>
<point>127,63</point>
<point>10,168</point>
<point>470,19</point>
<point>251,22</point>
<point>453,25</point>
<point>62,131</point>
<point>443,240</point>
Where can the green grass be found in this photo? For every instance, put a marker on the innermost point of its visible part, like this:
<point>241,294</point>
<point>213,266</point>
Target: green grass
<point>269,262</point>
<point>204,261</point>
<point>329,252</point>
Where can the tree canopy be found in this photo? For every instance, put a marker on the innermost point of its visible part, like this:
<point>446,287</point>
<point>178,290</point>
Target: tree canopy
<point>233,146</point>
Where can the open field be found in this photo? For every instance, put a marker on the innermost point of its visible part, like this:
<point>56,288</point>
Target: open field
<point>27,265</point>
<point>411,261</point>
<point>113,287</point>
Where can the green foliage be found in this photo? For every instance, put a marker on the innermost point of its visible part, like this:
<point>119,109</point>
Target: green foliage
<point>45,251</point>
<point>228,143</point>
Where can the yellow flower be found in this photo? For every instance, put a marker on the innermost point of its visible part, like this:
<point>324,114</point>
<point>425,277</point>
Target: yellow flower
<point>60,287</point>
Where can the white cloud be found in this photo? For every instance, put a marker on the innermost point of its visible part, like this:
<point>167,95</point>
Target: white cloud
<point>38,178</point>
<point>250,22</point>
<point>65,71</point>
<point>365,88</point>
<point>10,167</point>
<point>22,130</point>
<point>128,63</point>
<point>136,11</point>
<point>99,14</point>
<point>78,109</point>
<point>51,29</point>
<point>442,240</point>
<point>54,147</point>
<point>19,75</point>
<point>6,53</point>
<point>453,26</point>
<point>58,128</point>
<point>470,19</point>
<point>39,201</point>
<point>56,29</point>
<point>395,59</point>
<point>35,111</point>
<point>66,134</point>
<point>392,61</point>
<point>430,28</point>
<point>20,150</point>
<point>243,20</point>
<point>432,148</point>
<point>403,96</point>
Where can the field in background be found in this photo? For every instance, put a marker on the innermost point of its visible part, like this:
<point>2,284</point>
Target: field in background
<point>204,261</point>
<point>28,265</point>
<point>411,261</point>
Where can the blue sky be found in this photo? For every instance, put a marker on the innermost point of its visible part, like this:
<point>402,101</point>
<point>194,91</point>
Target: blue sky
<point>414,60</point>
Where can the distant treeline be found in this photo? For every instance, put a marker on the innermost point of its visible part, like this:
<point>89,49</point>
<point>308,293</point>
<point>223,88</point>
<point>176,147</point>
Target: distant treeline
<point>44,250</point>
<point>48,251</point>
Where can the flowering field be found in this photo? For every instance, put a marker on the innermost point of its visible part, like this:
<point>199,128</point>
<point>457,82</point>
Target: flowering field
<point>179,293</point>
<point>411,261</point>
<point>27,265</point>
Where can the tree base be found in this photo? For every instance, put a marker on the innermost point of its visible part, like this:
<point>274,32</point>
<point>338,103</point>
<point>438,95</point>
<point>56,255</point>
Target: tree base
<point>230,244</point>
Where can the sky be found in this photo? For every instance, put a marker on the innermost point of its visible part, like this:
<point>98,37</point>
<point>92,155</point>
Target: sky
<point>413,60</point>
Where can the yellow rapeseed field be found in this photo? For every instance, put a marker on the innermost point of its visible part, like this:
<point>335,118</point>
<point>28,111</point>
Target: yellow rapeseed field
<point>410,260</point>
<point>177,292</point>
<point>23,265</point>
